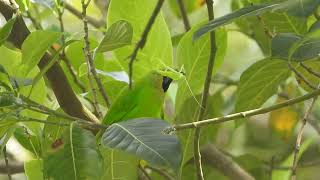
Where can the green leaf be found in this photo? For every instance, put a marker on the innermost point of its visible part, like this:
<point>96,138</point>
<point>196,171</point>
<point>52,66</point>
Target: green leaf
<point>8,99</point>
<point>47,3</point>
<point>50,63</point>
<point>286,46</point>
<point>5,79</point>
<point>119,164</point>
<point>189,113</point>
<point>6,30</point>
<point>77,159</point>
<point>35,46</point>
<point>280,175</point>
<point>193,57</point>
<point>118,35</point>
<point>145,138</point>
<point>308,46</point>
<point>252,10</point>
<point>259,82</point>
<point>33,169</point>
<point>157,51</point>
<point>315,26</point>
<point>28,140</point>
<point>300,8</point>
<point>23,4</point>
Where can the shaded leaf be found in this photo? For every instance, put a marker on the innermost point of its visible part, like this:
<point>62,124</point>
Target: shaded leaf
<point>119,164</point>
<point>6,30</point>
<point>193,57</point>
<point>145,138</point>
<point>252,10</point>
<point>78,158</point>
<point>157,51</point>
<point>280,175</point>
<point>33,169</point>
<point>47,3</point>
<point>259,82</point>
<point>300,8</point>
<point>34,47</point>
<point>118,35</point>
<point>28,140</point>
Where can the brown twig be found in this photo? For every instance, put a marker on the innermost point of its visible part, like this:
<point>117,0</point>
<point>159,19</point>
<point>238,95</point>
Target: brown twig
<point>90,63</point>
<point>299,138</point>
<point>7,163</point>
<point>161,172</point>
<point>244,114</point>
<point>212,156</point>
<point>184,15</point>
<point>78,14</point>
<point>15,168</point>
<point>205,93</point>
<point>309,69</point>
<point>145,175</point>
<point>66,97</point>
<point>143,38</point>
<point>297,73</point>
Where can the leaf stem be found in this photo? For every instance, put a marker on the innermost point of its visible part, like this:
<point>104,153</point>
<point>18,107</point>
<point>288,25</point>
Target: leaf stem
<point>90,63</point>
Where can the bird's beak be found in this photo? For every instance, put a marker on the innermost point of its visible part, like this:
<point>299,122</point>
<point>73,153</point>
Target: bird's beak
<point>166,83</point>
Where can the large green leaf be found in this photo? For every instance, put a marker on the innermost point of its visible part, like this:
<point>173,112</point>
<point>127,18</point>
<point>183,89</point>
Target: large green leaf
<point>119,164</point>
<point>300,8</point>
<point>287,45</point>
<point>252,10</point>
<point>34,47</point>
<point>118,35</point>
<point>194,57</point>
<point>157,51</point>
<point>77,159</point>
<point>28,140</point>
<point>145,138</point>
<point>6,30</point>
<point>259,82</point>
<point>33,169</point>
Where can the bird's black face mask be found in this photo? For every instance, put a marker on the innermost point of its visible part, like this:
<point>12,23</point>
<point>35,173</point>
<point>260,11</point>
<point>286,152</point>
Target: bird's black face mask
<point>166,83</point>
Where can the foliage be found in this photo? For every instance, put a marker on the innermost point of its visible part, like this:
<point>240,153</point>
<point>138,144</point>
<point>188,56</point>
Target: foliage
<point>65,67</point>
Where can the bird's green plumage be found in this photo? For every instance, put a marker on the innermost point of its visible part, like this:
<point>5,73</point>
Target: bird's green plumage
<point>145,99</point>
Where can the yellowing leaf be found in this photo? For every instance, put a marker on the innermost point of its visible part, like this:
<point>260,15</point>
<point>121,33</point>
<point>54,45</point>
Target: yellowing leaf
<point>283,120</point>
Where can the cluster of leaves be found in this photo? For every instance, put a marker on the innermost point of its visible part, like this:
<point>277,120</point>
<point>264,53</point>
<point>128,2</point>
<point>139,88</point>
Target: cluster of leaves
<point>286,32</point>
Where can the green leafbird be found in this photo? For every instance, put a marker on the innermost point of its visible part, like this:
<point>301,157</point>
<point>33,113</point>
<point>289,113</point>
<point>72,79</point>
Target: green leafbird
<point>145,99</point>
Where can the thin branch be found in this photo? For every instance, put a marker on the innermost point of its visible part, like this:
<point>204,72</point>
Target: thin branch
<point>90,63</point>
<point>299,138</point>
<point>15,168</point>
<point>309,69</point>
<point>145,174</point>
<point>143,38</point>
<point>244,114</point>
<point>66,97</point>
<point>184,15</point>
<point>7,162</point>
<point>78,14</point>
<point>73,74</point>
<point>212,156</point>
<point>161,172</point>
<point>205,93</point>
<point>297,73</point>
